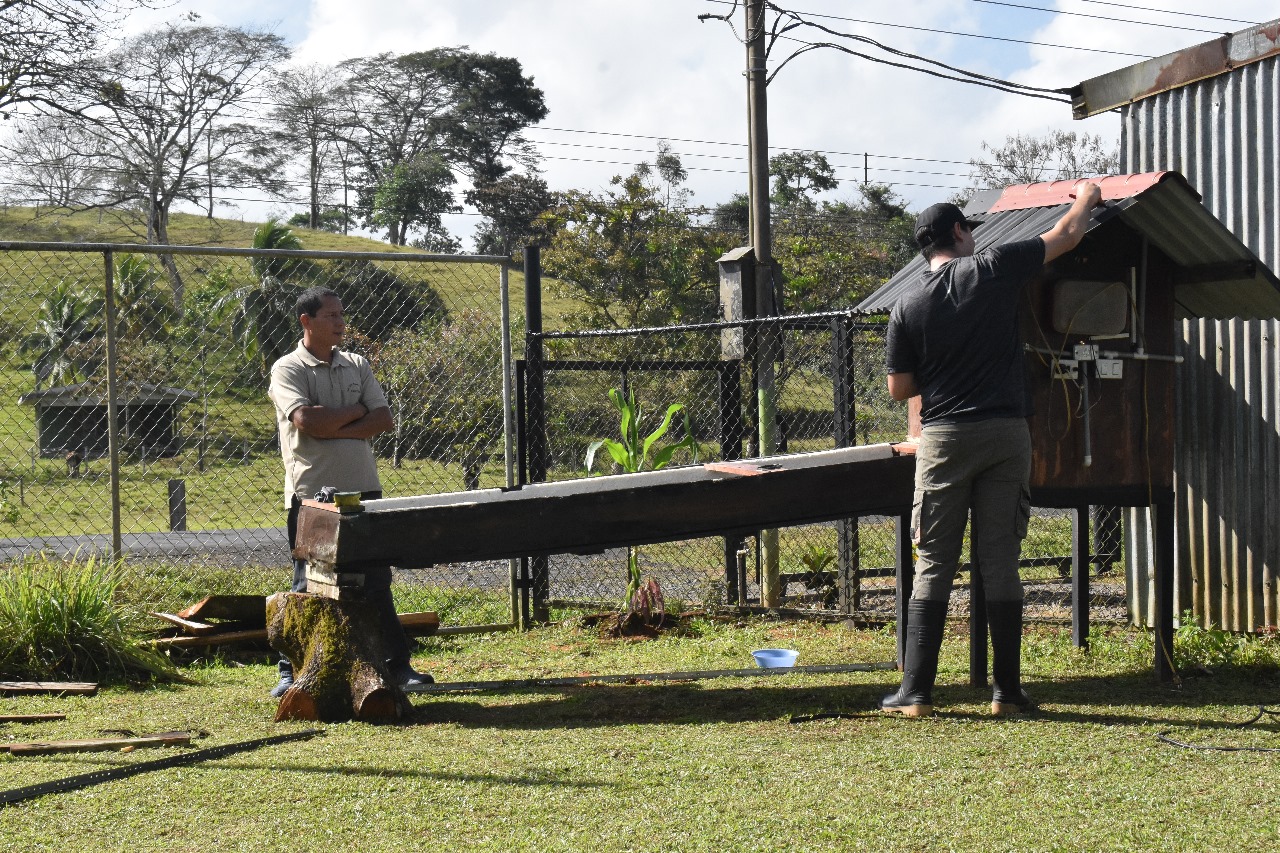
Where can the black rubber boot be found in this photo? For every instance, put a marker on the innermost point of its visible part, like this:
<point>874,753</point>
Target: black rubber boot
<point>408,677</point>
<point>285,668</point>
<point>914,698</point>
<point>1005,621</point>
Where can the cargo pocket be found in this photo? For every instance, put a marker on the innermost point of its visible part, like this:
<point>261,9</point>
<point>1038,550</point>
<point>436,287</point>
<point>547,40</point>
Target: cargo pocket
<point>917,507</point>
<point>1024,513</point>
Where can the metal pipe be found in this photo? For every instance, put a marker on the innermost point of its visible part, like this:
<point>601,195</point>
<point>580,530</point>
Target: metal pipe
<point>113,414</point>
<point>508,454</point>
<point>152,249</point>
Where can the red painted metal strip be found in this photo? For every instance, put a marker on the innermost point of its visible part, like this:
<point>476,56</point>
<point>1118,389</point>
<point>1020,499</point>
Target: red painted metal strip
<point>1055,193</point>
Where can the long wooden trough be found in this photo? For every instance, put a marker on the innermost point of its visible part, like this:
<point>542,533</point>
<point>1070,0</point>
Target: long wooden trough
<point>590,515</point>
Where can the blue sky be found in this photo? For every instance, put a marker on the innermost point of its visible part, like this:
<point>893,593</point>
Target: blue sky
<point>619,75</point>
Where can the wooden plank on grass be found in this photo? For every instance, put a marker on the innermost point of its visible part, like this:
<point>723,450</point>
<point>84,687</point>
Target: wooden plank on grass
<point>101,744</point>
<point>190,626</point>
<point>30,718</point>
<point>247,608</point>
<point>32,688</point>
<point>414,624</point>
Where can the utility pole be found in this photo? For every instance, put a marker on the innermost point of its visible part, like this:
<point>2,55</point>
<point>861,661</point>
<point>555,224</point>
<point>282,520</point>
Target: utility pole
<point>767,337</point>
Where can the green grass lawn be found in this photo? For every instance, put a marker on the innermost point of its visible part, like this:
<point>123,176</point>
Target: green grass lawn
<point>713,765</point>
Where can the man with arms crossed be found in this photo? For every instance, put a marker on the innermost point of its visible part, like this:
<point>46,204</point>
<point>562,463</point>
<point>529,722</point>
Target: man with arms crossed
<point>328,407</point>
<point>955,341</point>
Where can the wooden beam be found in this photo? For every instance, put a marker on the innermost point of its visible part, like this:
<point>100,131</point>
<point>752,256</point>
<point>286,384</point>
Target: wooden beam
<point>35,688</point>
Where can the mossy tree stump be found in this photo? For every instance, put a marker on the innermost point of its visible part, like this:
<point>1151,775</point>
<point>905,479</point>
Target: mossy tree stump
<point>338,656</point>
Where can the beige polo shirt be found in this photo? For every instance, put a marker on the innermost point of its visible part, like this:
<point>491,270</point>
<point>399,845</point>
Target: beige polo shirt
<point>310,464</point>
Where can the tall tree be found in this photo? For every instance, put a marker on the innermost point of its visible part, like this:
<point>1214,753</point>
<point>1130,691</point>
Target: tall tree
<point>628,259</point>
<point>493,101</point>
<point>393,112</point>
<point>511,206</point>
<point>52,161</point>
<point>166,132</point>
<point>1058,155</point>
<point>414,194</point>
<point>46,48</point>
<point>797,177</point>
<point>305,122</point>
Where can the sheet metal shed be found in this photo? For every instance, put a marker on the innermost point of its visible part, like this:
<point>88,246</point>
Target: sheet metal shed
<point>1156,245</point>
<point>74,417</point>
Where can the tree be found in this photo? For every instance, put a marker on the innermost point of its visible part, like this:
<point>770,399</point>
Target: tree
<point>414,193</point>
<point>403,114</point>
<point>64,342</point>
<point>1058,155</point>
<point>46,48</point>
<point>164,133</point>
<point>261,314</point>
<point>797,176</point>
<point>511,206</point>
<point>628,259</point>
<point>305,122</point>
<point>492,103</point>
<point>143,309</point>
<point>443,411</point>
<point>52,162</point>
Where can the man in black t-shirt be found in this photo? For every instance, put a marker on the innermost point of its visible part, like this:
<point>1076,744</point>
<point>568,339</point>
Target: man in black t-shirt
<point>955,342</point>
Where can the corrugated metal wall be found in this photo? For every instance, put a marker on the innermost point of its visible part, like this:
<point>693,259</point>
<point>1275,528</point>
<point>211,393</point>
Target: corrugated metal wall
<point>1224,135</point>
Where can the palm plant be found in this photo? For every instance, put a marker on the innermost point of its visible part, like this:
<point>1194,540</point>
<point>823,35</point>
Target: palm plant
<point>63,342</point>
<point>143,309</point>
<point>262,314</point>
<point>632,454</point>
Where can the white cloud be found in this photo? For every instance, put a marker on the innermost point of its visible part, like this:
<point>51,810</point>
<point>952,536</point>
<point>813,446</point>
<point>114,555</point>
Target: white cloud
<point>651,69</point>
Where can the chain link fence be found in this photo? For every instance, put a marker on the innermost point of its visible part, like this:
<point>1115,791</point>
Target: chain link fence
<point>831,393</point>
<point>192,498</point>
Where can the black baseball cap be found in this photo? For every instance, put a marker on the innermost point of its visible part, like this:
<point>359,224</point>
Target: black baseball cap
<point>934,223</point>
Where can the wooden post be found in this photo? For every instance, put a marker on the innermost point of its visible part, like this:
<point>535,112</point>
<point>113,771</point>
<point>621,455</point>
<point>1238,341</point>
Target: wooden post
<point>177,505</point>
<point>1080,577</point>
<point>905,569</point>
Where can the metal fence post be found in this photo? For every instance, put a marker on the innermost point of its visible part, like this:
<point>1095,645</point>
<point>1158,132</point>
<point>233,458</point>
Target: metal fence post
<point>536,423</point>
<point>848,565</point>
<point>113,414</point>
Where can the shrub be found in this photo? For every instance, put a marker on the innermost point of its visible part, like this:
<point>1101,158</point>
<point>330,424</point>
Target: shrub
<point>63,621</point>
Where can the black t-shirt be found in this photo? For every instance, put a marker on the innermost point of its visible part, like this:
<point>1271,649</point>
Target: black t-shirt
<point>958,333</point>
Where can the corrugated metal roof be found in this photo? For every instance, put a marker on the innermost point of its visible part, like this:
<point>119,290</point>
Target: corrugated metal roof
<point>1220,56</point>
<point>1223,278</point>
<point>95,394</point>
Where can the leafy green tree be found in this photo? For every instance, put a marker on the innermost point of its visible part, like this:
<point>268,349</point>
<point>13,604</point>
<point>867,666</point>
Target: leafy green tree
<point>444,407</point>
<point>628,259</point>
<point>493,102</point>
<point>797,177</point>
<point>378,302</point>
<point>510,206</point>
<point>413,194</point>
<point>143,309</point>
<point>64,343</point>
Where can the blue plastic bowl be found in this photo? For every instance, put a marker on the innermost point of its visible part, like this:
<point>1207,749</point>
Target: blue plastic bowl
<point>773,658</point>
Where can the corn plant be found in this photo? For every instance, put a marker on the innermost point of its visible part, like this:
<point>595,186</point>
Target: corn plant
<point>633,454</point>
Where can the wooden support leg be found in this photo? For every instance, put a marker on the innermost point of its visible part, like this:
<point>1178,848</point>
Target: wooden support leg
<point>1080,562</point>
<point>1163,529</point>
<point>339,656</point>
<point>904,568</point>
<point>977,623</point>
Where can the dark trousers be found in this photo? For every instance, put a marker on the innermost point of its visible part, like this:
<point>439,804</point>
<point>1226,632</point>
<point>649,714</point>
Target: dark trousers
<point>380,597</point>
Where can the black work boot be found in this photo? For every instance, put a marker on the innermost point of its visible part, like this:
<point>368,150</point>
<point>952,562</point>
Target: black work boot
<point>914,698</point>
<point>408,677</point>
<point>285,668</point>
<point>1005,621</point>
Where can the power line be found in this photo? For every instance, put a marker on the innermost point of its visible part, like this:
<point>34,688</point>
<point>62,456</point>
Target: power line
<point>962,34</point>
<point>1168,11</point>
<point>1096,17</point>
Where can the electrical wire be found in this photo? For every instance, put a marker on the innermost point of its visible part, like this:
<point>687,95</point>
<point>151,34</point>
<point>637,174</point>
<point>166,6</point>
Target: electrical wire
<point>1096,17</point>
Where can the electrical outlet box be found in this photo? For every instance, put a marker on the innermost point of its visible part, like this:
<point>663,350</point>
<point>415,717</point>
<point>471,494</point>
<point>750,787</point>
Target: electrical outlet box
<point>1110,368</point>
<point>1066,368</point>
<point>1086,352</point>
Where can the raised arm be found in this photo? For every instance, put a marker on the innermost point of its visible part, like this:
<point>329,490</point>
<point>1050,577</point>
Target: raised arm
<point>1067,233</point>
